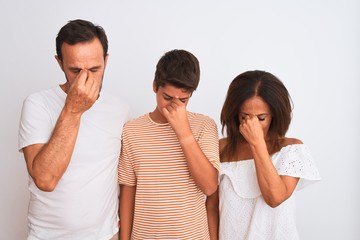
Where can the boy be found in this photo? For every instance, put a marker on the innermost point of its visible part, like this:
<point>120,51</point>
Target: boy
<point>169,159</point>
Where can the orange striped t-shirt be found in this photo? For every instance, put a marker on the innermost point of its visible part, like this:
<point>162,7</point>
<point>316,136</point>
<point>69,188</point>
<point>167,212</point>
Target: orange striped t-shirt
<point>168,204</point>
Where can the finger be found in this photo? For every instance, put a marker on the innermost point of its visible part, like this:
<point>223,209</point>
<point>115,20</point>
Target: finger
<point>241,129</point>
<point>254,116</point>
<point>242,123</point>
<point>166,112</point>
<point>93,86</point>
<point>176,102</point>
<point>97,82</point>
<point>90,81</point>
<point>244,119</point>
<point>95,92</point>
<point>81,78</point>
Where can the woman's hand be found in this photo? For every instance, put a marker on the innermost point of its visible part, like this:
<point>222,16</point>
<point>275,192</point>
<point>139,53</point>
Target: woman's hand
<point>251,129</point>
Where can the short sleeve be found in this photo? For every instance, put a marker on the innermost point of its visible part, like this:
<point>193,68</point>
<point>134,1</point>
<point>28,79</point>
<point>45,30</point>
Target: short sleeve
<point>35,123</point>
<point>297,161</point>
<point>242,178</point>
<point>209,142</point>
<point>126,174</point>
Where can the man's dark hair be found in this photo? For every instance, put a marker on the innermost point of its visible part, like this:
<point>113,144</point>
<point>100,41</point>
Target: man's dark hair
<point>76,31</point>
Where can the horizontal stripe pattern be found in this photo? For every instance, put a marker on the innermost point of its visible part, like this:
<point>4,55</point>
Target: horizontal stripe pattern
<point>168,204</point>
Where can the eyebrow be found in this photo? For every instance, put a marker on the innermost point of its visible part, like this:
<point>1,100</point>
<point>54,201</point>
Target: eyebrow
<point>185,98</point>
<point>258,115</point>
<point>77,68</point>
<point>74,69</point>
<point>95,68</point>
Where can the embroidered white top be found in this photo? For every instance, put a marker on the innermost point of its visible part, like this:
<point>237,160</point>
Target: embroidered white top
<point>243,211</point>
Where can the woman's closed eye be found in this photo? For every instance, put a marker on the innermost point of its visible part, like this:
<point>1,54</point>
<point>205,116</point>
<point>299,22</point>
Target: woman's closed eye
<point>260,117</point>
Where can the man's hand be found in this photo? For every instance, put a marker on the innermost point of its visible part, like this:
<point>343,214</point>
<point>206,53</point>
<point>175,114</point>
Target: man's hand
<point>83,92</point>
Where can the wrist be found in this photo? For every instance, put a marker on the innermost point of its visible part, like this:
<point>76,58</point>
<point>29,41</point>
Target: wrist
<point>185,139</point>
<point>69,118</point>
<point>257,144</point>
<point>70,114</point>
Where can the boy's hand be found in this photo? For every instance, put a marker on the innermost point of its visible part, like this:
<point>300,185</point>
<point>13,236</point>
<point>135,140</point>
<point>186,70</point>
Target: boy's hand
<point>176,115</point>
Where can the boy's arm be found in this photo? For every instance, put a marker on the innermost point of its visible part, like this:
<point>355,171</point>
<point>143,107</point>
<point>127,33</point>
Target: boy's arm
<point>212,209</point>
<point>203,172</point>
<point>127,204</point>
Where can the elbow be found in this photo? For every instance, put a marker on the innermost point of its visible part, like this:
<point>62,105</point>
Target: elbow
<point>274,202</point>
<point>212,185</point>
<point>210,190</point>
<point>45,185</point>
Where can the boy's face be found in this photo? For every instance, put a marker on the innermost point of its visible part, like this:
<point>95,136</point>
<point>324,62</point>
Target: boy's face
<point>167,94</point>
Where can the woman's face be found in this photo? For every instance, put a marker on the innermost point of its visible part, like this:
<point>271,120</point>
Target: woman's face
<point>256,106</point>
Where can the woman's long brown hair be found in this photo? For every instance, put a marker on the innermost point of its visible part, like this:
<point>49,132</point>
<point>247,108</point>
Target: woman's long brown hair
<point>272,91</point>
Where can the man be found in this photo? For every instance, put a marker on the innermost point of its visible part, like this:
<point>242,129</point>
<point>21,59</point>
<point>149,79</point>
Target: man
<point>70,136</point>
<point>169,159</point>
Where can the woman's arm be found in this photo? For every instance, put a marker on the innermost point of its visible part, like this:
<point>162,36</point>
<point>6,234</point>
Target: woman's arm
<point>274,188</point>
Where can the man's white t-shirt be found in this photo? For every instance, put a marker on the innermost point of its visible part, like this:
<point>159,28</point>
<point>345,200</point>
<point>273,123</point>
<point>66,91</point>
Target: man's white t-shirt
<point>84,204</point>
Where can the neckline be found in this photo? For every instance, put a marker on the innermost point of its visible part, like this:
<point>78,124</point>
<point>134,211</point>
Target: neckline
<point>156,123</point>
<point>272,156</point>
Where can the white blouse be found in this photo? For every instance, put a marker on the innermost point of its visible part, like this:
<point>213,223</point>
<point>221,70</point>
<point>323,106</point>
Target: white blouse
<point>243,212</point>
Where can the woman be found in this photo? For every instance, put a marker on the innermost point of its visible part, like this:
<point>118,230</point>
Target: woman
<point>260,167</point>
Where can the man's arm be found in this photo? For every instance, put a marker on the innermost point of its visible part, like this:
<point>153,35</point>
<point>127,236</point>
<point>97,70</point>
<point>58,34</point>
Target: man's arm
<point>46,163</point>
<point>203,172</point>
<point>127,204</point>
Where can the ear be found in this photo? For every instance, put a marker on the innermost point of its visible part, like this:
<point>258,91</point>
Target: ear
<point>59,62</point>
<point>105,60</point>
<point>154,87</point>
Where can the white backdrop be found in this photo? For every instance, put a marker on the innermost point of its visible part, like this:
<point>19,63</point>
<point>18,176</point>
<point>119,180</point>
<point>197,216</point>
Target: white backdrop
<point>313,46</point>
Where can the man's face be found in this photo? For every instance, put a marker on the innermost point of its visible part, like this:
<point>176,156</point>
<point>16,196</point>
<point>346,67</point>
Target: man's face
<point>85,55</point>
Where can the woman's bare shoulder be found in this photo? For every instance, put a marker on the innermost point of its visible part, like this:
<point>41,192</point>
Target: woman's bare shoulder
<point>222,143</point>
<point>290,141</point>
